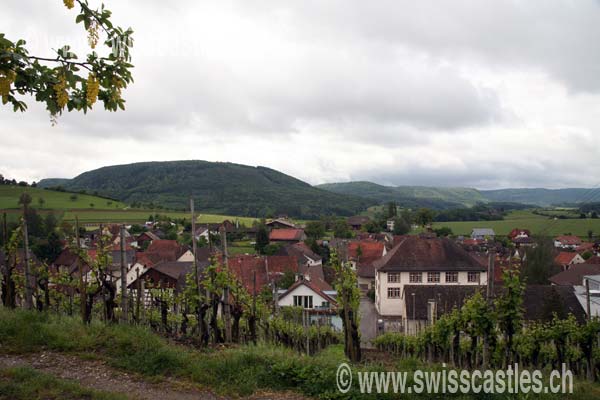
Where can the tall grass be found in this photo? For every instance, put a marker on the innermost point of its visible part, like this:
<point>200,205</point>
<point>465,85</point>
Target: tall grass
<point>236,370</point>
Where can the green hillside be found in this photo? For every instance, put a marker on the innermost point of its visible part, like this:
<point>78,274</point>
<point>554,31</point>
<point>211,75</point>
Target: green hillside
<point>222,188</point>
<point>543,197</point>
<point>9,199</point>
<point>409,196</point>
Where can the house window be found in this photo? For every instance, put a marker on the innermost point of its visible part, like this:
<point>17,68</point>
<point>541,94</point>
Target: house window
<point>303,301</point>
<point>415,277</point>
<point>394,293</point>
<point>452,277</point>
<point>393,278</point>
<point>433,277</point>
<point>473,277</point>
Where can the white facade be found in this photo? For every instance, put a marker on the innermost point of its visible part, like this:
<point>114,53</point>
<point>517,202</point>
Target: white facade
<point>389,286</point>
<point>313,298</point>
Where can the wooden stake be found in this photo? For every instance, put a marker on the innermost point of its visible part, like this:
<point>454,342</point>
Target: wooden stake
<point>124,302</point>
<point>28,288</point>
<point>80,269</point>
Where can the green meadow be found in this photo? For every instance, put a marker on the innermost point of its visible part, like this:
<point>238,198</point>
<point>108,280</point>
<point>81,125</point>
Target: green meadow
<point>9,199</point>
<point>525,219</point>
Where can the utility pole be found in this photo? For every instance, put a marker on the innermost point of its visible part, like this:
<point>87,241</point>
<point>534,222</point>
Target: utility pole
<point>587,296</point>
<point>28,288</point>
<point>226,307</point>
<point>124,302</point>
<point>490,280</point>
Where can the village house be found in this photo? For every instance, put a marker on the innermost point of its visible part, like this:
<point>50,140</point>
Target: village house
<point>145,238</point>
<point>362,256</point>
<point>574,275</point>
<point>565,259</point>
<point>421,261</point>
<point>483,233</point>
<point>287,235</point>
<point>358,221</point>
<point>567,242</point>
<point>281,223</point>
<point>302,253</point>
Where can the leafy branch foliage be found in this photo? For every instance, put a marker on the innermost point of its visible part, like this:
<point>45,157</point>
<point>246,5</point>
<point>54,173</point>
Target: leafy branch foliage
<point>63,80</point>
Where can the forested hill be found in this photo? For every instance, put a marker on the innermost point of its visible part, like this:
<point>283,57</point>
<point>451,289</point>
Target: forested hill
<point>445,197</point>
<point>217,187</point>
<point>543,197</point>
<point>409,196</point>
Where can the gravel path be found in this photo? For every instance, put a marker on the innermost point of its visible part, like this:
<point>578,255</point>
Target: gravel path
<point>97,375</point>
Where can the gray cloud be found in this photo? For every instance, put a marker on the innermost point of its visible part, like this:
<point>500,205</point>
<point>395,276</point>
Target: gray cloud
<point>464,93</point>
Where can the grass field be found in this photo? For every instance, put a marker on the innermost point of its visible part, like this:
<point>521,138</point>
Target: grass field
<point>237,370</point>
<point>140,216</point>
<point>525,219</point>
<point>9,199</point>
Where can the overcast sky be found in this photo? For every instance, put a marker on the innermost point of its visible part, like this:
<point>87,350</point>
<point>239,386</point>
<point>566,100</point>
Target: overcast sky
<point>485,94</point>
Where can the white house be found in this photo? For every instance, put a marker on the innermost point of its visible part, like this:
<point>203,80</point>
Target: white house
<point>422,261</point>
<point>317,297</point>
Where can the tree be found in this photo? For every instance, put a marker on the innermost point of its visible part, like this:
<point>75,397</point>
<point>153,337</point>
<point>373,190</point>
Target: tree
<point>424,216</point>
<point>25,200</point>
<point>443,231</point>
<point>315,230</point>
<point>287,279</point>
<point>401,227</point>
<point>392,210</point>
<point>49,249</point>
<point>539,263</point>
<point>348,297</point>
<point>61,80</point>
<point>262,238</point>
<point>41,202</point>
<point>341,229</point>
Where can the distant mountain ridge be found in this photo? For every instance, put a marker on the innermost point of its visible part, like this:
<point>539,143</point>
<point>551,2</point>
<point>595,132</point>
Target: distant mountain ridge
<point>409,196</point>
<point>444,197</point>
<point>217,187</point>
<point>243,190</point>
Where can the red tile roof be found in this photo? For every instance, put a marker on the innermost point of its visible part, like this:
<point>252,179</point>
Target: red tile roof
<point>517,231</point>
<point>286,234</point>
<point>165,250</point>
<point>564,258</point>
<point>569,240</point>
<point>268,269</point>
<point>371,252</point>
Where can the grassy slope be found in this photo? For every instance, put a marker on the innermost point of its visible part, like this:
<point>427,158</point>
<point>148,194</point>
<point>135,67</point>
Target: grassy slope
<point>9,198</point>
<point>24,383</point>
<point>527,220</point>
<point>236,370</point>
